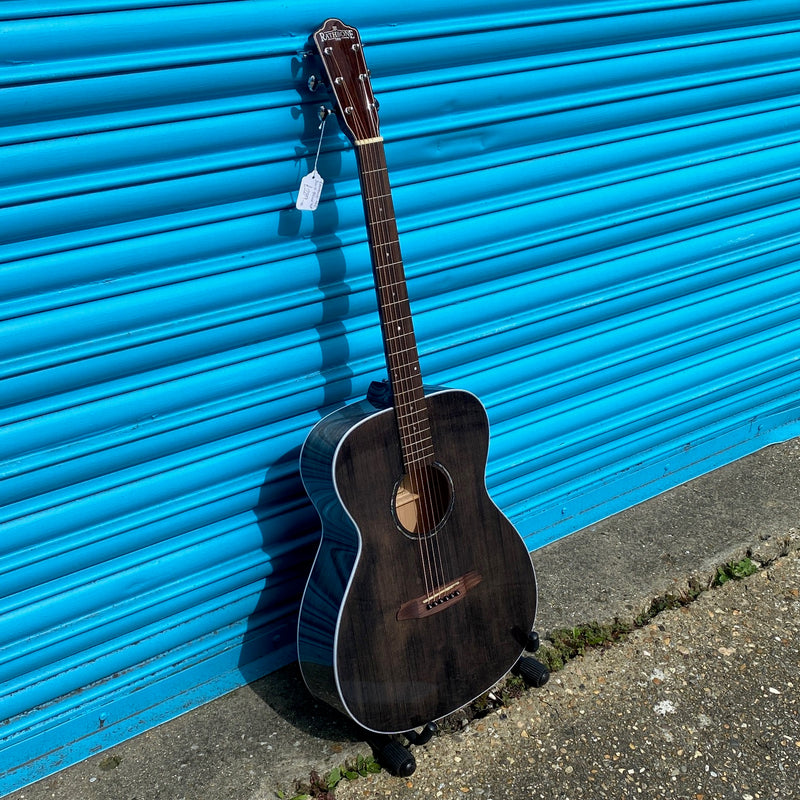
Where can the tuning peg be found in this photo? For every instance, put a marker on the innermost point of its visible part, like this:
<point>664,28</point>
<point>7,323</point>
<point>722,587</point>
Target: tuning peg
<point>313,83</point>
<point>323,112</point>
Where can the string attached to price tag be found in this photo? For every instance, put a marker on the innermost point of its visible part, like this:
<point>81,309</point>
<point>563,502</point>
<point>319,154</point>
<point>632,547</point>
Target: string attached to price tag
<point>311,185</point>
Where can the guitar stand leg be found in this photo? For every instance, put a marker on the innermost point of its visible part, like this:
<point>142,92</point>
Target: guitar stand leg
<point>532,671</point>
<point>423,737</point>
<point>393,756</point>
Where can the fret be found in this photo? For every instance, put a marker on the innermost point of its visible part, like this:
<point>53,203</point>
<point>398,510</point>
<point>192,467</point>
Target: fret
<point>386,266</point>
<point>407,356</point>
<point>414,436</point>
<point>415,415</point>
<point>421,452</point>
<point>415,390</point>
<point>393,284</point>
<point>406,349</point>
<point>382,222</point>
<point>420,459</point>
<point>426,442</point>
<point>409,378</point>
<point>412,411</point>
<point>397,302</point>
<point>419,416</point>
<point>410,432</point>
<point>397,320</point>
<point>397,332</point>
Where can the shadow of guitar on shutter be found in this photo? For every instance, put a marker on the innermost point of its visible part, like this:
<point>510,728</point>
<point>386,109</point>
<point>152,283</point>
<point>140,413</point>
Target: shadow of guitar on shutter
<point>296,534</point>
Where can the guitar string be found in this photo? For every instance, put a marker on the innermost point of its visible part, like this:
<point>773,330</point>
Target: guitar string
<point>370,178</point>
<point>411,430</point>
<point>421,473</point>
<point>418,473</point>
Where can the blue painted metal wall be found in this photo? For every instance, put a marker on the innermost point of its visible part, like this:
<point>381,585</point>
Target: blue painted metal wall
<point>599,205</point>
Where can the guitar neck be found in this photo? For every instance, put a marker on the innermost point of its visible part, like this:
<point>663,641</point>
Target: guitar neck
<point>397,328</point>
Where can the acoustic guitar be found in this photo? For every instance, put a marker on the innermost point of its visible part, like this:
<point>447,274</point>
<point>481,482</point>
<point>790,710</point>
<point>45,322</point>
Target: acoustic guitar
<point>422,593</point>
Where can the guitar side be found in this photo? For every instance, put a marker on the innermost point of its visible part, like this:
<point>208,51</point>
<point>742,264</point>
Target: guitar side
<point>336,556</point>
<point>391,670</point>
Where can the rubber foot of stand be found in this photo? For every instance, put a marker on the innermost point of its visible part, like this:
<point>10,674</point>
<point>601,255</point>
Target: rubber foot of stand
<point>533,642</point>
<point>396,759</point>
<point>534,672</point>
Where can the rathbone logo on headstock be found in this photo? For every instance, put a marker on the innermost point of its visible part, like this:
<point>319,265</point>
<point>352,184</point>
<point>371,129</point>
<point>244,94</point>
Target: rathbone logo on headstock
<point>335,34</point>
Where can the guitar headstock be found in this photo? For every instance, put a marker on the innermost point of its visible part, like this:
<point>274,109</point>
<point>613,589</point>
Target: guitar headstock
<point>339,49</point>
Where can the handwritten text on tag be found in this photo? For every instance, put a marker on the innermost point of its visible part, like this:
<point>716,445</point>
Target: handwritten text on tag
<point>309,192</point>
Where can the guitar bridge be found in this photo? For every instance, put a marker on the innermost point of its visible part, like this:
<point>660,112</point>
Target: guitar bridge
<point>441,598</point>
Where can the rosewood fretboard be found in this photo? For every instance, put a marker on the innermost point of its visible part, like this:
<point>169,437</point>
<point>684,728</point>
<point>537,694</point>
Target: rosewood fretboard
<point>399,342</point>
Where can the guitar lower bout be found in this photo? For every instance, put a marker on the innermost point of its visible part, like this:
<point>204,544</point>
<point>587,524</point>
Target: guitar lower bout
<point>409,616</point>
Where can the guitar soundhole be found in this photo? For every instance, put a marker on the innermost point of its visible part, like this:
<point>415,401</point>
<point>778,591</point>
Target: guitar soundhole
<point>422,500</point>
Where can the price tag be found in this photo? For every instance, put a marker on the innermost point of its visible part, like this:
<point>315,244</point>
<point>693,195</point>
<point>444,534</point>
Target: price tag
<point>309,192</point>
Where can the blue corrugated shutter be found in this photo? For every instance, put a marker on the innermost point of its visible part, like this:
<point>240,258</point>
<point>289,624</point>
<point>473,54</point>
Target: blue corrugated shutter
<point>599,209</point>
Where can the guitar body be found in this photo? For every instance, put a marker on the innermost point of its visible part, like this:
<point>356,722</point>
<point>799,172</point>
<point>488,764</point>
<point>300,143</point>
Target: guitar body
<point>374,639</point>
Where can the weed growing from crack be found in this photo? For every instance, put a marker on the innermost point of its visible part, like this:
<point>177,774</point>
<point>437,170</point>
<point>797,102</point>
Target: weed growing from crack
<point>322,787</point>
<point>736,570</point>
